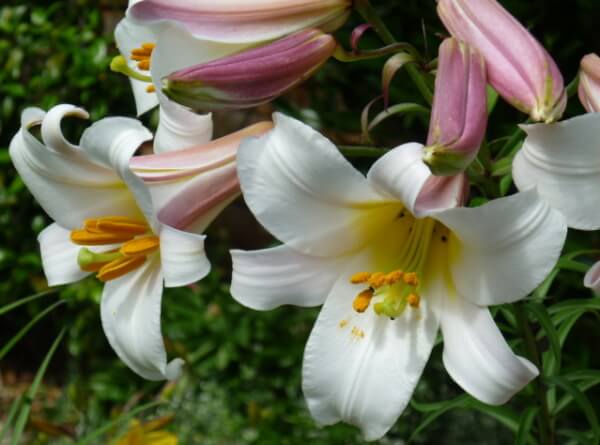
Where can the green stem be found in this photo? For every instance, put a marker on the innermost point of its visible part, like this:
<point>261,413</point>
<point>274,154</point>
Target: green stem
<point>342,55</point>
<point>366,10</point>
<point>359,151</point>
<point>544,420</point>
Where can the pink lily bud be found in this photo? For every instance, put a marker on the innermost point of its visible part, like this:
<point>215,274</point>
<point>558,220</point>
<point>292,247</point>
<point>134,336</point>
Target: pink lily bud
<point>190,187</point>
<point>245,21</point>
<point>252,77</point>
<point>519,68</point>
<point>459,114</point>
<point>589,83</point>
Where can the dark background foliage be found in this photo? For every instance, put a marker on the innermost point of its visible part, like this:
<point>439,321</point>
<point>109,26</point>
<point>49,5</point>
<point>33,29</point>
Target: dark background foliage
<point>242,380</point>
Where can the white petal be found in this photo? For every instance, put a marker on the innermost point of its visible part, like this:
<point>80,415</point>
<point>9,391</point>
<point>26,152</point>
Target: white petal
<point>401,174</point>
<point>502,250</point>
<point>563,161</point>
<point>179,128</point>
<point>266,279</point>
<point>182,256</point>
<point>592,278</point>
<point>476,355</point>
<point>305,193</point>
<point>59,256</point>
<point>128,36</point>
<point>362,368</point>
<point>68,185</point>
<point>112,142</point>
<point>130,311</point>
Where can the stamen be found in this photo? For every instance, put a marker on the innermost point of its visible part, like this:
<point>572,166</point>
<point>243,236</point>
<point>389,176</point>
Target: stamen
<point>87,238</point>
<point>412,279</point>
<point>89,261</point>
<point>117,224</point>
<point>150,89</point>
<point>143,56</point>
<point>393,277</point>
<point>377,280</point>
<point>118,268</point>
<point>360,277</point>
<point>362,300</point>
<point>140,246</point>
<point>413,301</point>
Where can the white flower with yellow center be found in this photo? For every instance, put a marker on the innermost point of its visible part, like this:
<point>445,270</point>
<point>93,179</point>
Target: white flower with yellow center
<point>117,221</point>
<point>388,274</point>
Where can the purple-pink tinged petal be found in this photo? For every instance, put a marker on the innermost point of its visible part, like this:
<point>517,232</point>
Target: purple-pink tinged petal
<point>459,114</point>
<point>519,68</point>
<point>589,83</point>
<point>252,77</point>
<point>243,21</point>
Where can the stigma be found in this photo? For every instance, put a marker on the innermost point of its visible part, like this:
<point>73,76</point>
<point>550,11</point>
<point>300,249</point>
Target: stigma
<point>393,291</point>
<point>136,242</point>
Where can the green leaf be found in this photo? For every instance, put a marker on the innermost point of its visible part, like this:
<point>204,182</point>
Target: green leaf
<point>584,379</point>
<point>525,425</point>
<point>32,391</point>
<point>90,438</point>
<point>9,307</point>
<point>12,412</point>
<point>581,400</point>
<point>551,366</point>
<point>435,410</point>
<point>14,340</point>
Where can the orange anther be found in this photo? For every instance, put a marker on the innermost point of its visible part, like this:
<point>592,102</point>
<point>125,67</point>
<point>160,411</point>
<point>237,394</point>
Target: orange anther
<point>150,89</point>
<point>87,238</point>
<point>413,301</point>
<point>362,300</point>
<point>377,280</point>
<point>121,225</point>
<point>118,268</point>
<point>360,277</point>
<point>140,246</point>
<point>393,277</point>
<point>412,279</point>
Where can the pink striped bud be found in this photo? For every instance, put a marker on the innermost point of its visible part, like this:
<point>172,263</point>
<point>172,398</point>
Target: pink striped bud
<point>244,21</point>
<point>252,77</point>
<point>459,114</point>
<point>589,83</point>
<point>519,68</point>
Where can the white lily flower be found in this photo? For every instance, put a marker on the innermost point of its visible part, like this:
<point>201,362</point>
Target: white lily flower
<point>562,160</point>
<point>388,274</point>
<point>109,222</point>
<point>153,52</point>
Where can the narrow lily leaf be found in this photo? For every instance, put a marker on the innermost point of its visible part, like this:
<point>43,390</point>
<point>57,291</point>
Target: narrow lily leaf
<point>543,289</point>
<point>9,345</point>
<point>404,108</point>
<point>583,402</point>
<point>15,304</point>
<point>96,434</point>
<point>32,391</point>
<point>435,411</point>
<point>541,314</point>
<point>505,184</point>
<point>492,99</point>
<point>10,417</point>
<point>527,420</point>
<point>577,438</point>
<point>502,167</point>
<point>585,379</point>
<point>391,67</point>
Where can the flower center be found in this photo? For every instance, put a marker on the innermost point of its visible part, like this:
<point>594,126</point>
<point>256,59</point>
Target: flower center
<point>397,287</point>
<point>143,57</point>
<point>396,291</point>
<point>135,238</point>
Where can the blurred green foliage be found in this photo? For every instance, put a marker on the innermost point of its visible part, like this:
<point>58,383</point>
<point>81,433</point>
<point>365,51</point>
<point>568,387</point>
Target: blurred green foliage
<point>242,380</point>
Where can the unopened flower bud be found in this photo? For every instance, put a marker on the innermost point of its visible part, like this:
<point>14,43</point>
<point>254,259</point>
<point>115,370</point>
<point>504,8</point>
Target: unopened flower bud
<point>459,114</point>
<point>589,83</point>
<point>244,21</point>
<point>252,77</point>
<point>519,68</point>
